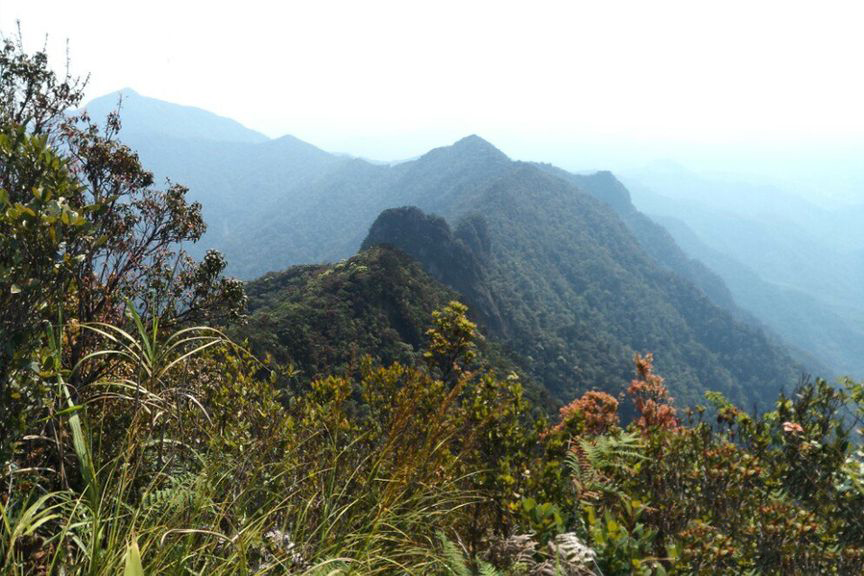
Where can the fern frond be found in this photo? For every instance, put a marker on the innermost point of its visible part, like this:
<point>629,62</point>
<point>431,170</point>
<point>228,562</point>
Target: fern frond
<point>454,557</point>
<point>621,451</point>
<point>486,569</point>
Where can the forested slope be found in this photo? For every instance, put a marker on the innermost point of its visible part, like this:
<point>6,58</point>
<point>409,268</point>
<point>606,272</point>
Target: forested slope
<point>574,295</point>
<point>323,319</point>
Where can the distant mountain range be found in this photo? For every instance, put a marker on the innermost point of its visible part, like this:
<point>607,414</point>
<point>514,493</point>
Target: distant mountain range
<point>560,269</point>
<point>142,116</point>
<point>797,266</point>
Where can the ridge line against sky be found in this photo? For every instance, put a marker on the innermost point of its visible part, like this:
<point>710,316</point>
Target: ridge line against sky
<point>768,87</point>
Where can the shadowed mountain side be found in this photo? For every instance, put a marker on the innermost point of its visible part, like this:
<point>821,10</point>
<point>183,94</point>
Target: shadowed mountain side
<point>456,260</point>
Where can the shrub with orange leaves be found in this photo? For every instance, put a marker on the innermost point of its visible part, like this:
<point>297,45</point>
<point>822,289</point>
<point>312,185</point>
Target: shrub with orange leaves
<point>594,413</point>
<point>650,397</point>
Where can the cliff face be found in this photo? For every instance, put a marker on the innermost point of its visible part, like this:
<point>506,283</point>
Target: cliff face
<point>456,260</point>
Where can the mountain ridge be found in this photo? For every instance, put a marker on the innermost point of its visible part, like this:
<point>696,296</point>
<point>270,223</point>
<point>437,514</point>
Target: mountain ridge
<point>143,114</point>
<point>579,297</point>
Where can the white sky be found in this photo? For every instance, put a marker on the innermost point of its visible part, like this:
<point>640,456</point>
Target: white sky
<point>723,83</point>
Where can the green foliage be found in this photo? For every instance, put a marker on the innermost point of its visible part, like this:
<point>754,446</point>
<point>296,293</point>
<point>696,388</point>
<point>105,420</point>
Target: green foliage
<point>184,449</point>
<point>322,320</point>
<point>36,230</point>
<point>145,445</point>
<point>556,278</point>
<point>83,229</point>
<point>623,542</point>
<point>543,520</point>
<point>455,563</point>
<point>451,347</point>
<point>454,558</point>
<point>133,566</point>
<point>595,462</point>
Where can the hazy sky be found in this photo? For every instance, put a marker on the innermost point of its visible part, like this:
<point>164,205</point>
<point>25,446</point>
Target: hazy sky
<point>720,85</point>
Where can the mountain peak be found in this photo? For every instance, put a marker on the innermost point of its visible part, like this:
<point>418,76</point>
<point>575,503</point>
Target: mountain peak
<point>126,92</point>
<point>605,186</point>
<point>472,148</point>
<point>472,140</point>
<point>475,143</point>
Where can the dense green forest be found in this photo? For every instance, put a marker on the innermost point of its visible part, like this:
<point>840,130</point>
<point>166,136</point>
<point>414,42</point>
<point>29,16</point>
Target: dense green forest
<point>554,276</point>
<point>652,237</point>
<point>145,429</point>
<point>321,320</point>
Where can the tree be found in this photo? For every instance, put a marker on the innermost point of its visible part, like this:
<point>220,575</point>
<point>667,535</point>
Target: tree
<point>35,230</point>
<point>83,229</point>
<point>451,341</point>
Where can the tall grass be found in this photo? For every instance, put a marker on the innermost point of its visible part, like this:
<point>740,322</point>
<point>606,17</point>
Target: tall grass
<point>153,490</point>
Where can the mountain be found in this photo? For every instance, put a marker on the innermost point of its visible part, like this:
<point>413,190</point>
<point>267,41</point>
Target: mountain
<point>560,269</point>
<point>578,297</point>
<point>273,203</point>
<point>653,238</point>
<point>142,116</point>
<point>324,318</point>
<point>455,260</point>
<point>794,265</point>
<point>831,340</point>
